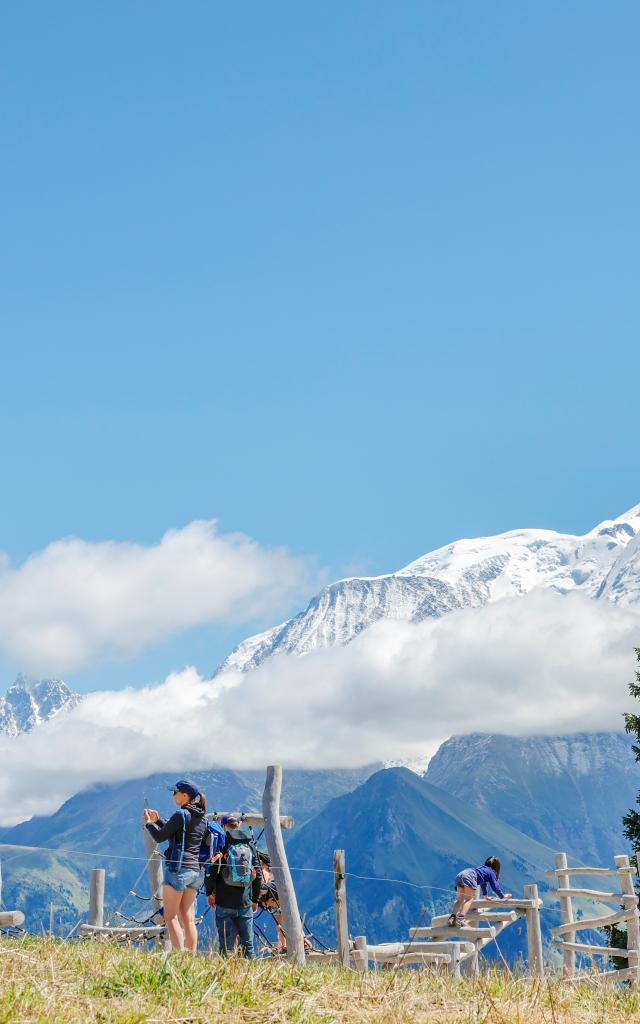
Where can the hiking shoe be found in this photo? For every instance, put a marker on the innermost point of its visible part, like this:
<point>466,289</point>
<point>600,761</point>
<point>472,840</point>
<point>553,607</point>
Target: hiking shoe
<point>451,920</point>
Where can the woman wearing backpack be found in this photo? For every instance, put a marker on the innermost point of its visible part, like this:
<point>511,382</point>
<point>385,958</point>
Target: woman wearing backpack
<point>185,830</point>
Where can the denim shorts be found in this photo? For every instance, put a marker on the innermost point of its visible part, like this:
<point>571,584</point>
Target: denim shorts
<point>181,880</point>
<point>466,879</point>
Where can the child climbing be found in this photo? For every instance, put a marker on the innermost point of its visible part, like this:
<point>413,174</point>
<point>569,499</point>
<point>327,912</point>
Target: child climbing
<point>467,882</point>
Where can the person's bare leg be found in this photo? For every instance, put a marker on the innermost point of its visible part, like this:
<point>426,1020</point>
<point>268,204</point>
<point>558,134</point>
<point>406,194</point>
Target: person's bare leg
<point>187,916</point>
<point>468,896</point>
<point>171,905</point>
<point>459,901</point>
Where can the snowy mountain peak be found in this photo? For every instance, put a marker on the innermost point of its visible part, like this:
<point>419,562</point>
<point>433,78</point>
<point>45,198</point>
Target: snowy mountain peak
<point>604,564</point>
<point>29,702</point>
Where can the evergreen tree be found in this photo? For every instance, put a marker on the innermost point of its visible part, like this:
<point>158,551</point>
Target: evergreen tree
<point>631,820</point>
<point>618,936</point>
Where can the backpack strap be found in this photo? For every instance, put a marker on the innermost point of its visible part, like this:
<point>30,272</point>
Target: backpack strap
<point>185,822</point>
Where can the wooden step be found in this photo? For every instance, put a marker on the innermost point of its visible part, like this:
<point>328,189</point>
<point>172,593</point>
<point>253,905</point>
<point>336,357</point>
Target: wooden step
<point>441,932</point>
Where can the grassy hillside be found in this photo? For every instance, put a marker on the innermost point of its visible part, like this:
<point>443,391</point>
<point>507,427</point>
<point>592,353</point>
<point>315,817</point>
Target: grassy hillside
<point>32,880</point>
<point>50,982</point>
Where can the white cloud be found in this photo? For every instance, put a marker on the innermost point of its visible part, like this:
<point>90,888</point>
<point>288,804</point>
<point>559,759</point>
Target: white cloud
<point>76,602</point>
<point>533,664</point>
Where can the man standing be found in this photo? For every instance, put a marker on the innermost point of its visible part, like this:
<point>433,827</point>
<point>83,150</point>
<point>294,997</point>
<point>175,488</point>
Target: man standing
<point>233,886</point>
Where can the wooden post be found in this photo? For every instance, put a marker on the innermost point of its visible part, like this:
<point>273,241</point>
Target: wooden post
<point>454,966</point>
<point>361,954</point>
<point>154,868</point>
<point>633,924</point>
<point>280,865</point>
<point>340,895</point>
<point>534,934</point>
<point>155,875</point>
<point>96,897</point>
<point>566,910</point>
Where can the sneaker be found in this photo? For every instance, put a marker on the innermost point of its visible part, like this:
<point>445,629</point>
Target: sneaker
<point>461,921</point>
<point>451,920</point>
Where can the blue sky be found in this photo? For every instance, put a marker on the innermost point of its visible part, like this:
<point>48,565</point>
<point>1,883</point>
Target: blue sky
<point>354,279</point>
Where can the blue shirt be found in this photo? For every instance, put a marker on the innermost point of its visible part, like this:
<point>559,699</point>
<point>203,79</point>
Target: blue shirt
<point>487,876</point>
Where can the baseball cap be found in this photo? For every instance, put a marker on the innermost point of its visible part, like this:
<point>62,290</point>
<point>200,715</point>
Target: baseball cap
<point>186,786</point>
<point>229,819</point>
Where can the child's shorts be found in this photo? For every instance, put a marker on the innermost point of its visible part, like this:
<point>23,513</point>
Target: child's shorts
<point>466,879</point>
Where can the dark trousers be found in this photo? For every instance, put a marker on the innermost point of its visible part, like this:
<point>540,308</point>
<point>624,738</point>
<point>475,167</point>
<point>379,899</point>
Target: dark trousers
<point>235,924</point>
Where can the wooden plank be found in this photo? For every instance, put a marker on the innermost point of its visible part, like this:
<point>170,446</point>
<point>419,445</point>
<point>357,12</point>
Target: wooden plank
<point>593,894</point>
<point>512,904</point>
<point>437,947</point>
<point>475,917</point>
<point>11,918</point>
<point>316,956</point>
<point>626,974</point>
<point>590,923</point>
<point>425,932</point>
<point>122,931</point>
<point>466,933</point>
<point>584,871</point>
<point>633,922</point>
<point>280,866</point>
<point>252,818</point>
<point>425,958</point>
<point>584,947</point>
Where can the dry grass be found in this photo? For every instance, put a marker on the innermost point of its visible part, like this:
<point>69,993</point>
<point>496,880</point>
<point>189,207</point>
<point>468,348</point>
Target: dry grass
<point>50,982</point>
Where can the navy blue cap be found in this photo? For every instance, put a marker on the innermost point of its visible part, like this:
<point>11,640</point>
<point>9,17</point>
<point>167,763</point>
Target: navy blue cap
<point>186,786</point>
<point>226,819</point>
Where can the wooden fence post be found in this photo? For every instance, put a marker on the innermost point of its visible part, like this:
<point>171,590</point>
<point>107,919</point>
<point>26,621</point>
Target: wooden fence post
<point>361,954</point>
<point>96,897</point>
<point>280,865</point>
<point>154,868</point>
<point>633,924</point>
<point>340,895</point>
<point>566,910</point>
<point>155,875</point>
<point>534,934</point>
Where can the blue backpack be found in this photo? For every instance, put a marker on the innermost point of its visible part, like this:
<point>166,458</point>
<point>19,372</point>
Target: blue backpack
<point>238,869</point>
<point>211,846</point>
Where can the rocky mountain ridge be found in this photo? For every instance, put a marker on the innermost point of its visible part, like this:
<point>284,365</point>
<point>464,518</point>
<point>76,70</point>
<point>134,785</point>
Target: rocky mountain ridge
<point>30,702</point>
<point>604,565</point>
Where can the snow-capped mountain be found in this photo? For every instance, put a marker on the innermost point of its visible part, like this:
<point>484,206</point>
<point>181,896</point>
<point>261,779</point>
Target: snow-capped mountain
<point>604,564</point>
<point>29,702</point>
